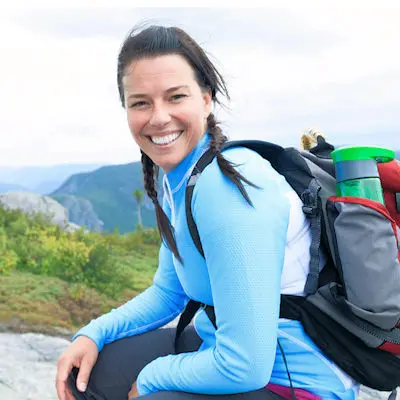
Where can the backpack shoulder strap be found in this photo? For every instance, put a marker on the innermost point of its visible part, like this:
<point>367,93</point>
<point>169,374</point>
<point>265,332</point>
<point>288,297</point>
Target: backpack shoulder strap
<point>265,149</point>
<point>204,160</point>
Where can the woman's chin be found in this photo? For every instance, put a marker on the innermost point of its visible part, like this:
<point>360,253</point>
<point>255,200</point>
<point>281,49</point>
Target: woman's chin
<point>168,164</point>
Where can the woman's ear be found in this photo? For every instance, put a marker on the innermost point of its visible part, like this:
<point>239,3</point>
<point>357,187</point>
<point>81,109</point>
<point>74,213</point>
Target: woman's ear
<point>207,99</point>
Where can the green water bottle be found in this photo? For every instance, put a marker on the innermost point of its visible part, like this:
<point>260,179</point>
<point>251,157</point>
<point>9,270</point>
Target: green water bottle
<point>357,171</point>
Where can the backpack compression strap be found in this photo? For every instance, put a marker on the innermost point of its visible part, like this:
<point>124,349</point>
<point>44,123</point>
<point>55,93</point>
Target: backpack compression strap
<point>312,212</point>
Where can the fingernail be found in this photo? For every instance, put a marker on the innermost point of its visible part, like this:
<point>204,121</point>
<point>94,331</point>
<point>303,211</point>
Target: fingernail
<point>82,386</point>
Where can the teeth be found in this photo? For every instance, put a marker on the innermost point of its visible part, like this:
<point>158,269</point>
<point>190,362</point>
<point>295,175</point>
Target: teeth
<point>165,139</point>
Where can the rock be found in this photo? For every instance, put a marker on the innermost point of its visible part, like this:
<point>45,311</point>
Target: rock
<point>31,203</point>
<point>28,367</point>
<point>369,394</point>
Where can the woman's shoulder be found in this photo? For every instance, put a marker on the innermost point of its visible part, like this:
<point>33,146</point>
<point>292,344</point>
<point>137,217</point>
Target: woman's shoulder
<point>247,162</point>
<point>250,165</point>
<point>243,155</point>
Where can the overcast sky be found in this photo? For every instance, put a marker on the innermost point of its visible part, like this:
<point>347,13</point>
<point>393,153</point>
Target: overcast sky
<point>287,70</point>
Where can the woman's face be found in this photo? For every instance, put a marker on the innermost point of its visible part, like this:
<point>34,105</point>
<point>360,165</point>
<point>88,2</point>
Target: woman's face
<point>166,108</point>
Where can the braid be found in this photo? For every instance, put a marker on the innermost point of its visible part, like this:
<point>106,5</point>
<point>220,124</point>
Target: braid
<point>150,176</point>
<point>217,137</point>
<point>227,167</point>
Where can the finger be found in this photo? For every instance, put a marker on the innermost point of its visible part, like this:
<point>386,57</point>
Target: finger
<point>68,391</point>
<point>69,394</point>
<point>63,371</point>
<point>63,391</point>
<point>84,373</point>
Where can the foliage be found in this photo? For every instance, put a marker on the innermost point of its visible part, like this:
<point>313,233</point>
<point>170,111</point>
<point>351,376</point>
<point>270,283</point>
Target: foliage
<point>109,263</point>
<point>39,303</point>
<point>138,195</point>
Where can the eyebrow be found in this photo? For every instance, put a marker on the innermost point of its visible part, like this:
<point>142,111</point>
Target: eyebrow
<point>172,89</point>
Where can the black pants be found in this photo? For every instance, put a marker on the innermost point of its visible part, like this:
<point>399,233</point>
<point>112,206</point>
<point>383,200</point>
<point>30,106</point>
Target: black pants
<point>120,363</point>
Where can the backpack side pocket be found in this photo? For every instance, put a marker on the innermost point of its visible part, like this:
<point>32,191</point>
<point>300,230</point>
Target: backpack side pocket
<point>367,258</point>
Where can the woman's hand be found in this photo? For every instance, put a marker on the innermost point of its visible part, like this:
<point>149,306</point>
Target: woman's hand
<point>133,394</point>
<point>82,353</point>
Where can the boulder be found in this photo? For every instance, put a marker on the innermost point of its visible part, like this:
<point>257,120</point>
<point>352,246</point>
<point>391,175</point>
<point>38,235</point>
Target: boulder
<point>31,203</point>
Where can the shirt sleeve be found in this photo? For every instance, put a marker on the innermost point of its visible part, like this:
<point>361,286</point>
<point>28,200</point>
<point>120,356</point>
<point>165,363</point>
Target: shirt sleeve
<point>244,248</point>
<point>156,306</point>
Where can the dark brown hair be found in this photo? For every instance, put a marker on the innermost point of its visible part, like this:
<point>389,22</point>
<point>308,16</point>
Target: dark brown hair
<point>156,41</point>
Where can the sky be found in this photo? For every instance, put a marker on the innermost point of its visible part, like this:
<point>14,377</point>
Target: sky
<point>288,69</point>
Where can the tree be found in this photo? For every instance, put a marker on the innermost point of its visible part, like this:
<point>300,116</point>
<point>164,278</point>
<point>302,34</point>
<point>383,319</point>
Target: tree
<point>138,194</point>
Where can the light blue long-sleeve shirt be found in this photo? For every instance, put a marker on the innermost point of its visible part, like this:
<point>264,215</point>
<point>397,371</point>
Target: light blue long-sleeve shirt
<point>244,250</point>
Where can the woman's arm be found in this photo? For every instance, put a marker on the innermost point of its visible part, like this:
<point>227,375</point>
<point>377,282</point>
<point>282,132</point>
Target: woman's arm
<point>154,307</point>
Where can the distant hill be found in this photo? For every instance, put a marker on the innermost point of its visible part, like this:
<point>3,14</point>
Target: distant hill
<point>11,187</point>
<point>42,180</point>
<point>48,186</point>
<point>109,190</point>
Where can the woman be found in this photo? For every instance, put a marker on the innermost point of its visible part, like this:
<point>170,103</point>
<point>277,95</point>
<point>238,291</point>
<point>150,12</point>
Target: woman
<point>256,242</point>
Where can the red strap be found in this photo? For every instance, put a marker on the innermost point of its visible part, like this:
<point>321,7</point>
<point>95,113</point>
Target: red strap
<point>390,348</point>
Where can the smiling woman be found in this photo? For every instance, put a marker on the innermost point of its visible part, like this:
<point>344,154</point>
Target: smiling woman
<point>167,110</point>
<point>255,239</point>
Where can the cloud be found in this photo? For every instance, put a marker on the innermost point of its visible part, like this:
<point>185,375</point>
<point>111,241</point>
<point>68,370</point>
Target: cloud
<point>278,29</point>
<point>287,70</point>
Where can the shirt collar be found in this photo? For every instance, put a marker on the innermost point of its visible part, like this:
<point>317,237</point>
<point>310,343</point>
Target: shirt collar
<point>177,176</point>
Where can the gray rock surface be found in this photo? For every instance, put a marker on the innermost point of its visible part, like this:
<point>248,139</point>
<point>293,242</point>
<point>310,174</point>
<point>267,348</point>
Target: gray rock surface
<point>28,367</point>
<point>31,203</point>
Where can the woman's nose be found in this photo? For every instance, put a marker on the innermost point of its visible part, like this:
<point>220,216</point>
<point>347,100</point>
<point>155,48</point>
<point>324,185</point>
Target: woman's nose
<point>160,116</point>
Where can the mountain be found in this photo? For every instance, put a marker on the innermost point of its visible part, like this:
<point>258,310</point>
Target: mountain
<point>48,186</point>
<point>42,180</point>
<point>109,190</point>
<point>80,212</point>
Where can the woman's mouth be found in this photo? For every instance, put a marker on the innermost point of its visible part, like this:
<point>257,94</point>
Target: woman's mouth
<point>167,139</point>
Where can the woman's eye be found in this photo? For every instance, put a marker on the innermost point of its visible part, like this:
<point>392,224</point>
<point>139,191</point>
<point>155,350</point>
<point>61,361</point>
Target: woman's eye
<point>137,104</point>
<point>178,97</point>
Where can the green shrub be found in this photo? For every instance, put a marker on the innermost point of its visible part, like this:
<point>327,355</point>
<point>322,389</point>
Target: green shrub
<point>109,263</point>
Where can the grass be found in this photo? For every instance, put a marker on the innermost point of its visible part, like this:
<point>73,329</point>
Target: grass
<point>38,303</point>
<point>52,281</point>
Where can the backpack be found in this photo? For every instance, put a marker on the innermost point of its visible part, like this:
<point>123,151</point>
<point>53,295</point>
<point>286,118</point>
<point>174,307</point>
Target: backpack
<point>352,306</point>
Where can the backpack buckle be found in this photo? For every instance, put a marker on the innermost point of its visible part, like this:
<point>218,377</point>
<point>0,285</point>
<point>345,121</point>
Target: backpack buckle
<point>310,211</point>
<point>310,202</point>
